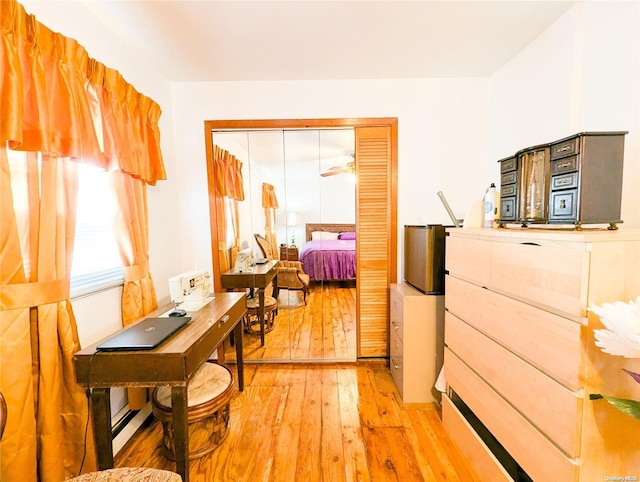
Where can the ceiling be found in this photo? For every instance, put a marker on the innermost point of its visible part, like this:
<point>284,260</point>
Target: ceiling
<point>192,41</point>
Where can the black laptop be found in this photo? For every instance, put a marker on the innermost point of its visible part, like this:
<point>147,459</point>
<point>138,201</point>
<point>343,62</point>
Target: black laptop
<point>145,335</point>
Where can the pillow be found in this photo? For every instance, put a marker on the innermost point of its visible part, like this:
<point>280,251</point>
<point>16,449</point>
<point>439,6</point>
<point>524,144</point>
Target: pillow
<point>323,235</point>
<point>347,235</point>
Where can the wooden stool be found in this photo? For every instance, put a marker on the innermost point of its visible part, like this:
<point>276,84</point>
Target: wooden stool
<point>251,320</point>
<point>209,393</point>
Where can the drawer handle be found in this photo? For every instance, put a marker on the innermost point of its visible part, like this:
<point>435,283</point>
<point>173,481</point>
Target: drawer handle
<point>529,243</point>
<point>564,165</point>
<point>563,149</point>
<point>224,319</point>
<point>395,365</point>
<point>562,182</point>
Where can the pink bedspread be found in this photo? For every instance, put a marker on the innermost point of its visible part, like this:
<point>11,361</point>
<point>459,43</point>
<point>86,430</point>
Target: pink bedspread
<point>329,259</point>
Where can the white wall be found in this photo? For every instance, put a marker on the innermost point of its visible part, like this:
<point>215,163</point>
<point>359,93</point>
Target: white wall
<point>441,140</point>
<point>581,74</point>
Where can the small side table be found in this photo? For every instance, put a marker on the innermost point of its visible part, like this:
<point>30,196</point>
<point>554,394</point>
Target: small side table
<point>289,253</point>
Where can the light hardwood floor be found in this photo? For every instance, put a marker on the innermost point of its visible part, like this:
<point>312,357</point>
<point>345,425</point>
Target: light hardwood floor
<point>323,329</point>
<point>327,422</point>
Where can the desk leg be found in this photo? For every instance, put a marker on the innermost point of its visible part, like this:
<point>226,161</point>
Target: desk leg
<point>179,404</point>
<point>261,314</point>
<point>101,410</point>
<point>237,333</point>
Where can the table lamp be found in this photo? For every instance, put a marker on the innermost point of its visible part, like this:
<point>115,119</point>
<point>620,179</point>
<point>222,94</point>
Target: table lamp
<point>292,222</point>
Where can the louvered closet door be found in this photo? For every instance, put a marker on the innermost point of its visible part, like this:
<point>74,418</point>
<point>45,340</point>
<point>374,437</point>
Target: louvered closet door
<point>375,225</point>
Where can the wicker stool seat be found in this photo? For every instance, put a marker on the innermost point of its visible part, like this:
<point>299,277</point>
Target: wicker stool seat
<point>209,393</point>
<point>128,474</point>
<point>252,322</point>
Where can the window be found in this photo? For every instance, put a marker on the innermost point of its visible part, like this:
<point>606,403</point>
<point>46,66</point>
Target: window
<point>96,260</point>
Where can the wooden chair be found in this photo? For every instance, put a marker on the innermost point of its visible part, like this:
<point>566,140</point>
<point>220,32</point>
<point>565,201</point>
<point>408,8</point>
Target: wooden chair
<point>265,247</point>
<point>291,276</point>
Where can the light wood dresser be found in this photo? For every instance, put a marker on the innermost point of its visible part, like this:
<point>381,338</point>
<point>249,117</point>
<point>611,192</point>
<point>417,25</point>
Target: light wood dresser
<point>520,360</point>
<point>416,342</point>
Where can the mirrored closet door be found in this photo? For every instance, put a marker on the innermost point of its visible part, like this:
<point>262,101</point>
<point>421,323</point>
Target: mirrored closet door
<point>290,195</point>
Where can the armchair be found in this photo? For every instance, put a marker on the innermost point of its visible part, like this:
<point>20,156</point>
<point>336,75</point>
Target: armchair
<point>290,273</point>
<point>292,277</point>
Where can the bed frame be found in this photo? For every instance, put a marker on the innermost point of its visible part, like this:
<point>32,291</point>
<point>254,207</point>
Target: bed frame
<point>330,227</point>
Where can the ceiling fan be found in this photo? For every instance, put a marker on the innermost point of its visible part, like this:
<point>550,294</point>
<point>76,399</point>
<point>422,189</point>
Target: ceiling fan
<point>348,168</point>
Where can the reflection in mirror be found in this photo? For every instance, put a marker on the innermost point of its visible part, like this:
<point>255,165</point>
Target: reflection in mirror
<point>294,179</point>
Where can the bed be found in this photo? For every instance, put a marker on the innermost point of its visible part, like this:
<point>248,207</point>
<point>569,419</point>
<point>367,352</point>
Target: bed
<point>330,252</point>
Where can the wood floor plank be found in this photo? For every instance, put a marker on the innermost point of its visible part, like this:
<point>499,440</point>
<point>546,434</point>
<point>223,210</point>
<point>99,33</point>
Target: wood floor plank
<point>355,455</point>
<point>391,456</point>
<point>308,466</point>
<point>293,416</point>
<point>327,422</point>
<point>384,409</point>
<point>332,451</point>
<point>448,464</point>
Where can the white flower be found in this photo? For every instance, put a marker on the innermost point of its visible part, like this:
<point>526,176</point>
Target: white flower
<point>622,322</point>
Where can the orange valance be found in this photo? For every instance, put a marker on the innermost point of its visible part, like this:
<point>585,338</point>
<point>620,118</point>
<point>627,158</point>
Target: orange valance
<point>57,100</point>
<point>228,174</point>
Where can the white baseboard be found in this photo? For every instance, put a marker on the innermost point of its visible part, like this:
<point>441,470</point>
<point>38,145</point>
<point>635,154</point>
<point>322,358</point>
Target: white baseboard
<point>134,424</point>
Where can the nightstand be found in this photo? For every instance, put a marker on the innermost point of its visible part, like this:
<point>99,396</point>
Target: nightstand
<point>289,253</point>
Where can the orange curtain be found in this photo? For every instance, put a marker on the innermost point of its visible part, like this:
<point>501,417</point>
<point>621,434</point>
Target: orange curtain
<point>132,234</point>
<point>44,436</point>
<point>235,193</point>
<point>220,178</point>
<point>58,106</point>
<point>270,204</point>
<point>229,185</point>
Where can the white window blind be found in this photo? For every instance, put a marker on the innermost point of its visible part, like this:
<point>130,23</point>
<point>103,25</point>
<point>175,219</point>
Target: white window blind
<point>96,260</point>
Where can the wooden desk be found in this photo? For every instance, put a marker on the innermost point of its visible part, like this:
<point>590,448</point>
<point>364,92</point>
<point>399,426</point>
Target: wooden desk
<point>173,363</point>
<point>260,277</point>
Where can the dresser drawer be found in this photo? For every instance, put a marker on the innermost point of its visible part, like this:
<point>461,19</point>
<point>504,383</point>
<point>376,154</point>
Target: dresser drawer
<point>538,456</point>
<point>508,178</point>
<point>509,164</point>
<point>563,205</point>
<point>564,181</point>
<point>395,342</point>
<point>508,190</point>
<point>396,316</point>
<point>508,210</point>
<point>561,166</point>
<point>484,463</point>
<point>554,410</point>
<point>565,148</point>
<point>544,273</point>
<point>396,367</point>
<point>468,258</point>
<point>541,272</point>
<point>547,341</point>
